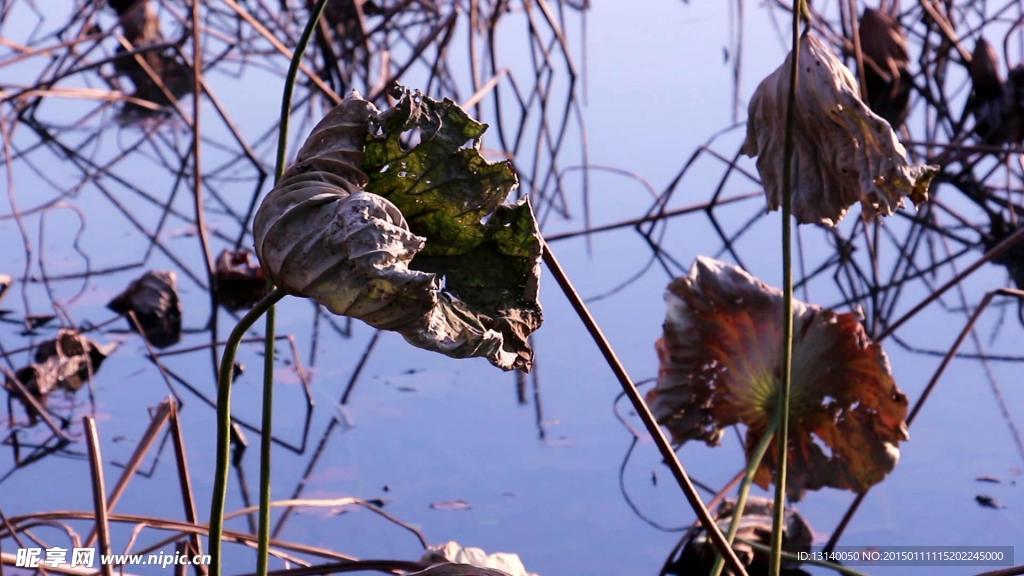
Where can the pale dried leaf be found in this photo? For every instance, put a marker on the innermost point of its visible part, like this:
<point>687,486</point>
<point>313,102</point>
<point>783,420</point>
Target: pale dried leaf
<point>843,152</point>
<point>449,569</point>
<point>455,553</point>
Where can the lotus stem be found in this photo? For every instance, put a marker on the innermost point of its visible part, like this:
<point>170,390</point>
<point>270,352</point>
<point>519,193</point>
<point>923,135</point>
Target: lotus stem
<point>266,445</point>
<point>643,411</point>
<point>226,374</point>
<point>782,405</point>
<point>267,418</point>
<point>744,492</point>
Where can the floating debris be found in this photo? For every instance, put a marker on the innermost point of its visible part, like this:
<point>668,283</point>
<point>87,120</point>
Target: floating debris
<point>459,505</point>
<point>5,284</point>
<point>1012,259</point>
<point>160,72</point>
<point>36,321</point>
<point>986,501</point>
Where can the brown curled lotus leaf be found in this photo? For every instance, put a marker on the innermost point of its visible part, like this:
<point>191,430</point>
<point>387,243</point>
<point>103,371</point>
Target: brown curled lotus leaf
<point>153,298</point>
<point>886,64</point>
<point>140,25</point>
<point>720,365</point>
<point>997,104</point>
<point>66,362</point>
<point>986,77</point>
<point>240,280</point>
<point>396,219</point>
<point>843,152</point>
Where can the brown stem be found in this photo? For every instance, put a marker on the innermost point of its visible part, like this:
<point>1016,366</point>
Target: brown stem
<point>631,392</point>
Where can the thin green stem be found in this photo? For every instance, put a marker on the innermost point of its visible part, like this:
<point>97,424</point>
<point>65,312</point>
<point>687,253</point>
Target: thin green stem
<point>267,419</point>
<point>289,87</point>
<point>266,444</point>
<point>782,405</point>
<point>741,498</point>
<point>227,372</point>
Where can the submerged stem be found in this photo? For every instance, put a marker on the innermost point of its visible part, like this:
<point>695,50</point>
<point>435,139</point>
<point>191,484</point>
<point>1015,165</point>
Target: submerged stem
<point>782,406</point>
<point>744,492</point>
<point>227,372</point>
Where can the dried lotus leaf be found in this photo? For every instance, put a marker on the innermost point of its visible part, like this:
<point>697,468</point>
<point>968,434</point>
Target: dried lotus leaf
<point>719,365</point>
<point>240,280</point>
<point>153,298</point>
<point>843,152</point>
<point>887,65</point>
<point>458,557</point>
<point>330,232</point>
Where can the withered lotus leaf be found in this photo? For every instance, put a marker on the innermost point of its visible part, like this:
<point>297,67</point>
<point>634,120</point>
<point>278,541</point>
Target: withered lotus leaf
<point>720,357</point>
<point>140,24</point>
<point>241,282</point>
<point>843,152</point>
<point>67,362</point>
<point>455,559</point>
<point>997,104</point>
<point>153,298</point>
<point>396,219</point>
<point>986,78</point>
<point>887,65</point>
<point>453,569</point>
<point>1013,259</point>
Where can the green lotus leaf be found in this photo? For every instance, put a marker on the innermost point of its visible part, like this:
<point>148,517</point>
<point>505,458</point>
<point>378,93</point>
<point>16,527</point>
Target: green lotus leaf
<point>395,218</point>
<point>720,360</point>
